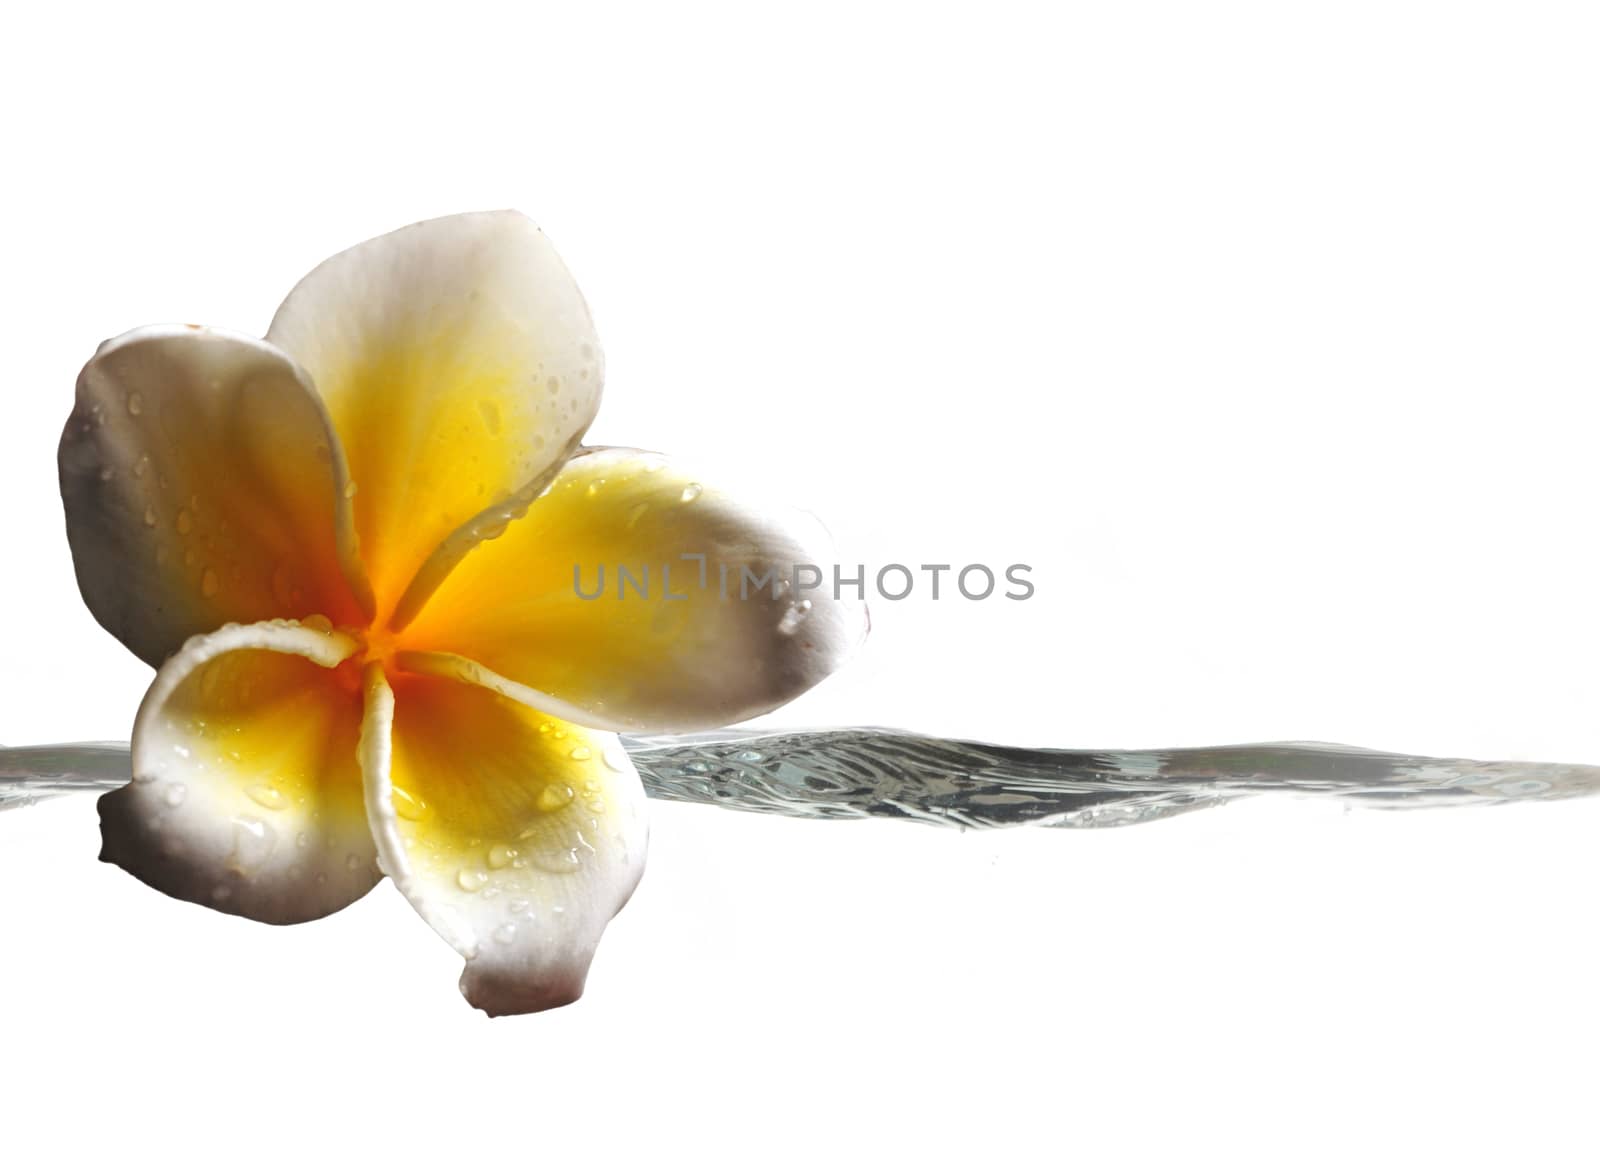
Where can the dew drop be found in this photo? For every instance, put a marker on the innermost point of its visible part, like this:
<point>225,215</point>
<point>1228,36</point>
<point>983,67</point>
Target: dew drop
<point>406,806</point>
<point>149,517</point>
<point>505,934</point>
<point>353,862</point>
<point>209,583</point>
<point>267,796</point>
<point>616,760</point>
<point>318,622</point>
<point>253,841</point>
<point>135,404</point>
<point>554,796</point>
<point>691,491</point>
<point>580,753</point>
<point>472,880</point>
<point>185,521</point>
<point>789,623</point>
<point>350,491</point>
<point>175,794</point>
<point>564,861</point>
<point>107,473</point>
<point>140,468</point>
<point>554,385</point>
<point>501,856</point>
<point>302,839</point>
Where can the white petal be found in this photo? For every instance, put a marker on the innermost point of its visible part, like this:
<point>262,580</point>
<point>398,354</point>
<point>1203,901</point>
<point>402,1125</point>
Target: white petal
<point>246,792</point>
<point>516,836</point>
<point>460,365</point>
<point>203,484</point>
<point>731,613</point>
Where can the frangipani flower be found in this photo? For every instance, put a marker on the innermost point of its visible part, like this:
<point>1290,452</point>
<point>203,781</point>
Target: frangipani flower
<point>350,550</point>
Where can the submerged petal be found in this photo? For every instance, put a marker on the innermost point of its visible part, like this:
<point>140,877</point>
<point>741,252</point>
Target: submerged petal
<point>515,835</point>
<point>637,596</point>
<point>460,365</point>
<point>246,792</point>
<point>203,484</point>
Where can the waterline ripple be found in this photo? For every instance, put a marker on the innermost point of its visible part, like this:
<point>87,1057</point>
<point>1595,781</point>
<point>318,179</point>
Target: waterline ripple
<point>861,773</point>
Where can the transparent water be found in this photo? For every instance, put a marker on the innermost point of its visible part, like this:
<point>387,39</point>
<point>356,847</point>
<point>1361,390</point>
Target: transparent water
<point>860,773</point>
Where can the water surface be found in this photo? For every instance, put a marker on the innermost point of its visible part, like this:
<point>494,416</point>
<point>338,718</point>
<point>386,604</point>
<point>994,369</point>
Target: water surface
<point>861,773</point>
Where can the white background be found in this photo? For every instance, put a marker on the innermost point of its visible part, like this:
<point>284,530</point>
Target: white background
<point>1264,333</point>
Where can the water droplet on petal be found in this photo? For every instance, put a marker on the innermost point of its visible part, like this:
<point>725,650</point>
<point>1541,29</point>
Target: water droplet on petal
<point>472,880</point>
<point>253,841</point>
<point>580,753</point>
<point>353,862</point>
<point>318,622</point>
<point>615,758</point>
<point>185,521</point>
<point>209,583</point>
<point>789,623</point>
<point>406,806</point>
<point>505,934</point>
<point>266,795</point>
<point>135,404</point>
<point>691,491</point>
<point>501,856</point>
<point>561,861</point>
<point>149,516</point>
<point>175,794</point>
<point>553,797</point>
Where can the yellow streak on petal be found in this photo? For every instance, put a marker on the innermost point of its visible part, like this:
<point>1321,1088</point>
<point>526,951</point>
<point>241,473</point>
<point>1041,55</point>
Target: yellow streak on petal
<point>279,730</point>
<point>515,835</point>
<point>645,598</point>
<point>490,773</point>
<point>458,360</point>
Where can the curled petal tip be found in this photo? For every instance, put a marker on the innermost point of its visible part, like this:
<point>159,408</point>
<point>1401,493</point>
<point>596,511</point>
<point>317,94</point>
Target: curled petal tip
<point>501,991</point>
